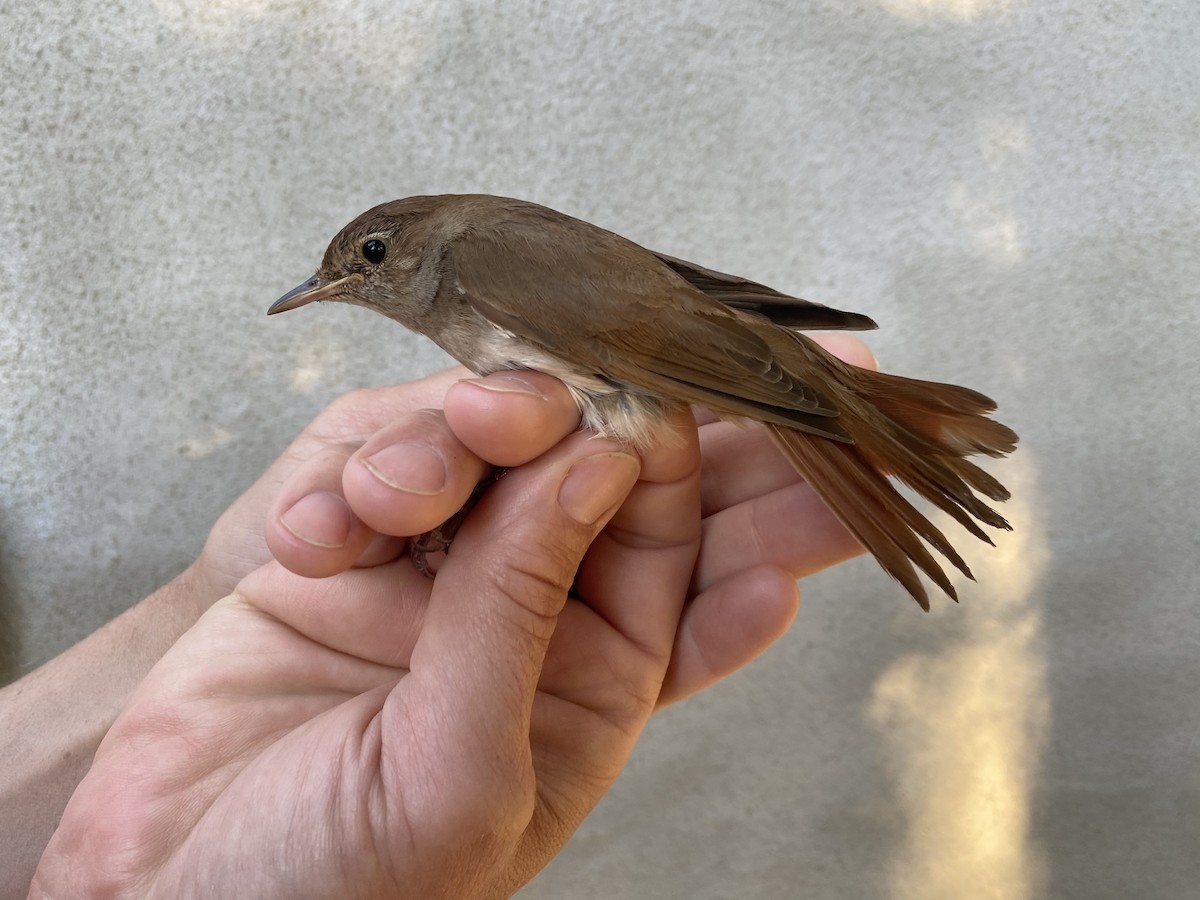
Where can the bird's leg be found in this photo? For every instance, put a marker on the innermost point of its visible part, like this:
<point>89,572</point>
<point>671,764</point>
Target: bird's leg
<point>438,540</point>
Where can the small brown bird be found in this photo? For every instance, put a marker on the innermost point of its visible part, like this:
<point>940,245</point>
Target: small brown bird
<point>634,334</point>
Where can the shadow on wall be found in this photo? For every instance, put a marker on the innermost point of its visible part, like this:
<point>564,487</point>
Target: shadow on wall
<point>10,616</point>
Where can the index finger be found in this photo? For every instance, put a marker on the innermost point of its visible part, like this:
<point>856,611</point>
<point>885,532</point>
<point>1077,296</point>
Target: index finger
<point>638,569</point>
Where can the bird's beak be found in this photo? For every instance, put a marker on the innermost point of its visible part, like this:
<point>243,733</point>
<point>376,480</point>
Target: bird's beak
<point>310,292</point>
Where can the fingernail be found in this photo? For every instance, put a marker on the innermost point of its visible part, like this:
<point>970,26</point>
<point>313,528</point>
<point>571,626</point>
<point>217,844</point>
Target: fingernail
<point>414,468</point>
<point>320,519</point>
<point>596,484</point>
<point>506,383</point>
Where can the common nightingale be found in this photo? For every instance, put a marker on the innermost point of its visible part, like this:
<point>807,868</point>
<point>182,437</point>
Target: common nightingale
<point>501,284</point>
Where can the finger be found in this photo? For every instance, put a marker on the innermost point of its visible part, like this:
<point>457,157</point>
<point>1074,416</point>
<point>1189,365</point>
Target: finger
<point>310,527</point>
<point>511,417</point>
<point>411,475</point>
<point>756,507</point>
<point>790,528</point>
<point>740,461</point>
<point>727,626</point>
<point>846,347</point>
<point>505,419</point>
<point>367,614</point>
<point>496,600</point>
<point>354,417</point>
<point>636,573</point>
<point>314,530</point>
<point>763,528</point>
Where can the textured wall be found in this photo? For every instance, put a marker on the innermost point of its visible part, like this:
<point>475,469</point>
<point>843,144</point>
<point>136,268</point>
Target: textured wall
<point>1010,188</point>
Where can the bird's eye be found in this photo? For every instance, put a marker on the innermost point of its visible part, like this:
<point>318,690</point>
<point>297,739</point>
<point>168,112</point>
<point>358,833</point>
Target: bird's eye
<point>374,251</point>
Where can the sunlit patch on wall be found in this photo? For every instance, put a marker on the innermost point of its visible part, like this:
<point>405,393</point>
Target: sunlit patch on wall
<point>1003,140</point>
<point>213,18</point>
<point>964,725</point>
<point>985,207</point>
<point>205,443</point>
<point>993,228</point>
<point>311,363</point>
<point>946,10</point>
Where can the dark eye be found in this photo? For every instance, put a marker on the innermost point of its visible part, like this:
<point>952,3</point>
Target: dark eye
<point>374,251</point>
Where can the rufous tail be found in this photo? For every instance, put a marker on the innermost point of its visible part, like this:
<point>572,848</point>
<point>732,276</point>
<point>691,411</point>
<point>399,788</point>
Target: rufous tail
<point>920,432</point>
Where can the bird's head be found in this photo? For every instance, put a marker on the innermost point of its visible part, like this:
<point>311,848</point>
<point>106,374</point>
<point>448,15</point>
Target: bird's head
<point>372,261</point>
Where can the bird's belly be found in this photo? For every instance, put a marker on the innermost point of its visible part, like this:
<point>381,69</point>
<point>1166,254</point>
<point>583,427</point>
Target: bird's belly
<point>607,406</point>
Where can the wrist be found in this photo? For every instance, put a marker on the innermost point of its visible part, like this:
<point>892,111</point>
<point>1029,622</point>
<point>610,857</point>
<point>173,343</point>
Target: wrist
<point>52,720</point>
<point>190,593</point>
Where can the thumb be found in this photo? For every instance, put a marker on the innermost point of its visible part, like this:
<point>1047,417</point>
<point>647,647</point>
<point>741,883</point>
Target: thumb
<point>496,599</point>
<point>506,578</point>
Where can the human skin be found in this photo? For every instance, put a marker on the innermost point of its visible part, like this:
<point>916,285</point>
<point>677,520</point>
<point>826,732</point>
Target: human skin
<point>741,595</point>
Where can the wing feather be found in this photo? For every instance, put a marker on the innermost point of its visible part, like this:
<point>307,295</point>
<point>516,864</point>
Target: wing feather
<point>782,309</point>
<point>615,308</point>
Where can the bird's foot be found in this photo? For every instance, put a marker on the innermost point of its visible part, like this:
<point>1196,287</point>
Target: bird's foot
<point>438,539</point>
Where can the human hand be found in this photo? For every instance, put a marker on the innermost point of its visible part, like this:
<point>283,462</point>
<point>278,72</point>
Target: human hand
<point>52,720</point>
<point>762,526</point>
<point>237,545</point>
<point>378,733</point>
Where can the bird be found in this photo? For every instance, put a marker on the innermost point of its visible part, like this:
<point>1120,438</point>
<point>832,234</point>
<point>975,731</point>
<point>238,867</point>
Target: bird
<point>500,283</point>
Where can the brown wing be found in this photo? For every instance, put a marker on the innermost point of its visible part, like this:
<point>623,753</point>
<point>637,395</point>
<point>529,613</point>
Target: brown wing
<point>742,293</point>
<point>607,304</point>
<point>663,325</point>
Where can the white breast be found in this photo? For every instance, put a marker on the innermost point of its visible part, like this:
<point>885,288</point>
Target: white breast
<point>611,409</point>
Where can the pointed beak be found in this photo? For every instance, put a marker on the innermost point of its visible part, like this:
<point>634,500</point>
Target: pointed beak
<point>310,292</point>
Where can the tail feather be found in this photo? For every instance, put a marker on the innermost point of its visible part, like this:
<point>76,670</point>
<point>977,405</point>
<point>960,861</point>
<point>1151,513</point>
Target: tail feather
<point>953,416</point>
<point>872,510</point>
<point>920,432</point>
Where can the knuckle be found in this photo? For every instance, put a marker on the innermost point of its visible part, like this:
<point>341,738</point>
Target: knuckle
<point>350,416</point>
<point>349,405</point>
<point>535,580</point>
<point>489,817</point>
